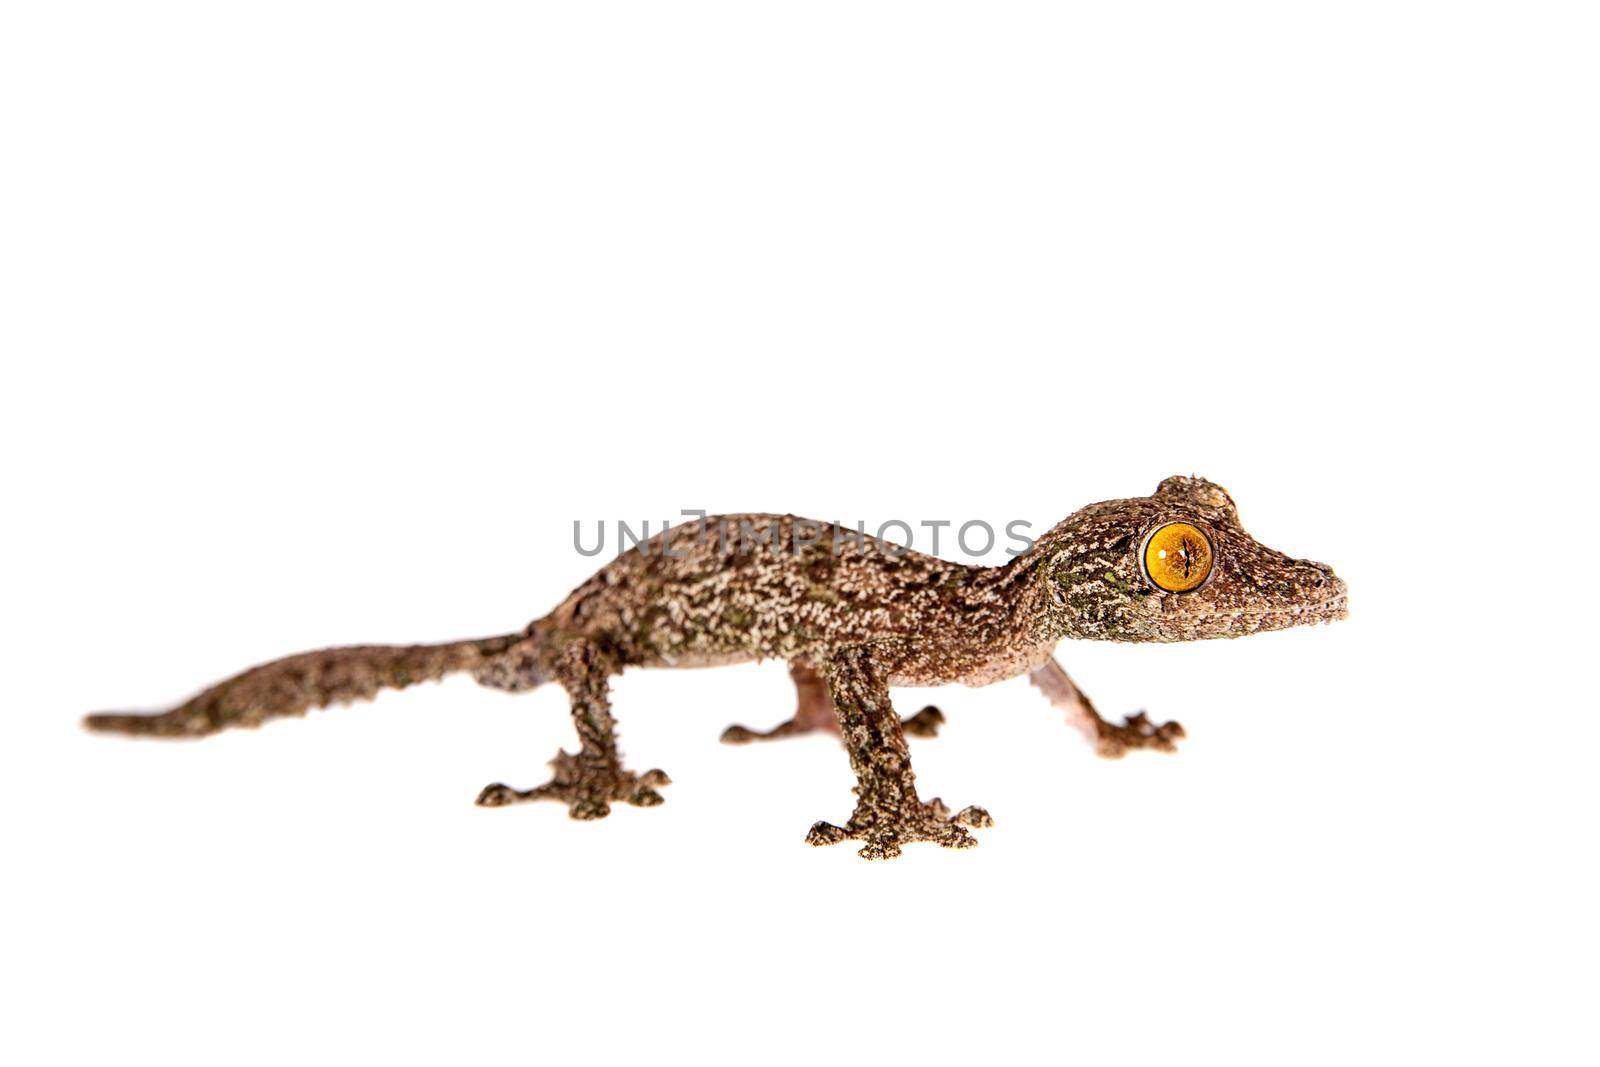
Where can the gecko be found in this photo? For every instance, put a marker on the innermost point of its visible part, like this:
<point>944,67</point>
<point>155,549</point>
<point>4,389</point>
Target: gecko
<point>852,616</point>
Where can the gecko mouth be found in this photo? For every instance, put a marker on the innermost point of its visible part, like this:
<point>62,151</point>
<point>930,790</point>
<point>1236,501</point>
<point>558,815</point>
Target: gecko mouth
<point>1329,609</point>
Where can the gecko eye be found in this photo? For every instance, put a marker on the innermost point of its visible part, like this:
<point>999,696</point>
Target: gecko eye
<point>1177,557</point>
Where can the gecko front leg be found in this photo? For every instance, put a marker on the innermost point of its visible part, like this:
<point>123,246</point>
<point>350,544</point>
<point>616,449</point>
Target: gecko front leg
<point>1109,740</point>
<point>814,711</point>
<point>588,781</point>
<point>888,812</point>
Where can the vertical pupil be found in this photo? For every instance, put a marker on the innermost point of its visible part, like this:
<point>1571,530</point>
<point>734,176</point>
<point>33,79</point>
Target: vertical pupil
<point>1178,557</point>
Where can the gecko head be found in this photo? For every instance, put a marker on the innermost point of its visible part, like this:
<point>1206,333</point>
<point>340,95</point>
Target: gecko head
<point>1176,566</point>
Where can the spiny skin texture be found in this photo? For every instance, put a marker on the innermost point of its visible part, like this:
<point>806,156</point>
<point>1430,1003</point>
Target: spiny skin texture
<point>851,616</point>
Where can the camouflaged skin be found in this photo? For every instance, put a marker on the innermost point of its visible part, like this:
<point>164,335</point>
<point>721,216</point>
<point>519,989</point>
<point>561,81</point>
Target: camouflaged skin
<point>839,606</point>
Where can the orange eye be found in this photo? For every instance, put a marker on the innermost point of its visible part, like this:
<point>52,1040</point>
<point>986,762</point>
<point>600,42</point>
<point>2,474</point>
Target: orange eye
<point>1177,557</point>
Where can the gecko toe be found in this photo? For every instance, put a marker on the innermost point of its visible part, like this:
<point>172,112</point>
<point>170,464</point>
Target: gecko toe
<point>738,735</point>
<point>924,723</point>
<point>825,833</point>
<point>879,849</point>
<point>975,817</point>
<point>586,808</point>
<point>497,795</point>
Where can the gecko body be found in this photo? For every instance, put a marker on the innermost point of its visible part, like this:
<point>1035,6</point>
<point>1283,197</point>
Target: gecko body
<point>851,616</point>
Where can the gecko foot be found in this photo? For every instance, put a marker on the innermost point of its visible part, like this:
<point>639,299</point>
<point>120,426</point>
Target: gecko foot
<point>1137,731</point>
<point>883,830</point>
<point>587,786</point>
<point>924,723</point>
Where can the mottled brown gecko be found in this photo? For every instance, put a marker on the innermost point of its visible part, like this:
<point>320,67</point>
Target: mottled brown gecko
<point>852,616</point>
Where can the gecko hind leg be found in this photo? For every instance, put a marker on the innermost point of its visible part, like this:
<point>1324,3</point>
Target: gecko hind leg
<point>888,812</point>
<point>1111,740</point>
<point>589,780</point>
<point>814,712</point>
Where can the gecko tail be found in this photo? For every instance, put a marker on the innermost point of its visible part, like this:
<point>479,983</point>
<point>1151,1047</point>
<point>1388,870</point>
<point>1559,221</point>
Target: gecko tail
<point>136,724</point>
<point>296,684</point>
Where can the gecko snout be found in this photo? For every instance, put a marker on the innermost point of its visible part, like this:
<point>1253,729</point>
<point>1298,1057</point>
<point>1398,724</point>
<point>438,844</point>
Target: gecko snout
<point>1329,591</point>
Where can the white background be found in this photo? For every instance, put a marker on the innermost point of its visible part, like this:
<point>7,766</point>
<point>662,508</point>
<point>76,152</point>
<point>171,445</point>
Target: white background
<point>323,321</point>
